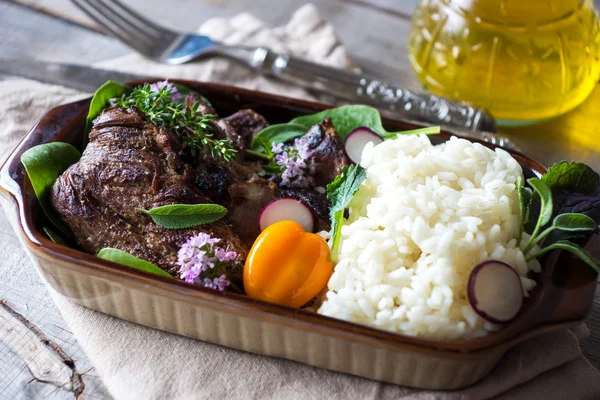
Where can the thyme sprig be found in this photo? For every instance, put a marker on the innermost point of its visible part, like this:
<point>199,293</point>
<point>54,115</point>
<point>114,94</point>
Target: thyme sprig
<point>162,107</point>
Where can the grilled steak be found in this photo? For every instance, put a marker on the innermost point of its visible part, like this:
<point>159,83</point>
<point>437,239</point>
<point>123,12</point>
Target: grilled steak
<point>317,201</point>
<point>324,143</point>
<point>247,123</point>
<point>130,164</point>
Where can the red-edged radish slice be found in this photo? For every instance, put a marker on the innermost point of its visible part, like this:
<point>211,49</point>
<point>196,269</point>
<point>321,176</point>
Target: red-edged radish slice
<point>287,209</point>
<point>357,140</point>
<point>495,291</point>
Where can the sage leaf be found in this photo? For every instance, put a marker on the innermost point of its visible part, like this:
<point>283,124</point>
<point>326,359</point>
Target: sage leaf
<point>124,258</point>
<point>55,237</point>
<point>107,91</point>
<point>570,247</point>
<point>340,192</point>
<point>44,164</point>
<point>573,222</point>
<point>180,216</point>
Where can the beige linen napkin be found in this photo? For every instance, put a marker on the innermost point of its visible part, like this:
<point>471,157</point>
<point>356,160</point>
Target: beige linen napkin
<point>136,362</point>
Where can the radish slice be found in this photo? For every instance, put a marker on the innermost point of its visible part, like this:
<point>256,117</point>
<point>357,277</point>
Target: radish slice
<point>287,209</point>
<point>495,291</point>
<point>357,140</point>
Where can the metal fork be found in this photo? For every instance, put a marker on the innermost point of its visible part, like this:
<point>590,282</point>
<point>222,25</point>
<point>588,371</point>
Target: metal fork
<point>164,45</point>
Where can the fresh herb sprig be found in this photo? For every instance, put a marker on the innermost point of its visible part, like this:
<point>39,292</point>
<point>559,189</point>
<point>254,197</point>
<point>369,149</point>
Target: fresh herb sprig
<point>160,108</point>
<point>565,188</point>
<point>340,192</point>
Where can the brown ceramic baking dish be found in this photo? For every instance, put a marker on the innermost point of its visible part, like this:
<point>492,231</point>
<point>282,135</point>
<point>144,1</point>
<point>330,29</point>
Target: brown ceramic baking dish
<point>563,296</point>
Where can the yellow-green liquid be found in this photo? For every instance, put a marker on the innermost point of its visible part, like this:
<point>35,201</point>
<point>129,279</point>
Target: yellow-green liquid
<point>524,60</point>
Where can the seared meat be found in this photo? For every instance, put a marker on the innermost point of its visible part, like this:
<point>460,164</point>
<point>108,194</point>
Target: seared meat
<point>247,123</point>
<point>130,164</point>
<point>328,151</point>
<point>317,201</point>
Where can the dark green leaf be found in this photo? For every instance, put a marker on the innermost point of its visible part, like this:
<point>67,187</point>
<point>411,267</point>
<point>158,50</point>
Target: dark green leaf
<point>573,248</point>
<point>44,164</point>
<point>121,257</point>
<point>179,216</point>
<point>55,237</point>
<point>340,192</point>
<point>279,133</point>
<point>109,90</point>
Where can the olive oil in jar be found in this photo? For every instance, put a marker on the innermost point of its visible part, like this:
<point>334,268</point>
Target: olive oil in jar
<point>524,60</point>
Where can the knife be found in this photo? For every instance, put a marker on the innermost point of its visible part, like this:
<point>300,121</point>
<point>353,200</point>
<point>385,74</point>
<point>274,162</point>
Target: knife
<point>88,79</point>
<point>79,77</point>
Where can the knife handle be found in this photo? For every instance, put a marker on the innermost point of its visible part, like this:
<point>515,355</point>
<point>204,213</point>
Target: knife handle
<point>359,88</point>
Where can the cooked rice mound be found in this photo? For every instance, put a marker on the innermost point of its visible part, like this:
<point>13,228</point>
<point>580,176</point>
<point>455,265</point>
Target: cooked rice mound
<point>422,220</point>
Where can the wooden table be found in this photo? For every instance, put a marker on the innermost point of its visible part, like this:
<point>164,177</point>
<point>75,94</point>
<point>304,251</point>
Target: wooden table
<point>55,30</point>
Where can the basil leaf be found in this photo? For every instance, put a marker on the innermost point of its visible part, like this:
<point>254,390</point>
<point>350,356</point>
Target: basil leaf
<point>279,133</point>
<point>179,216</point>
<point>121,257</point>
<point>340,192</point>
<point>44,164</point>
<point>55,237</point>
<point>108,91</point>
<point>573,248</point>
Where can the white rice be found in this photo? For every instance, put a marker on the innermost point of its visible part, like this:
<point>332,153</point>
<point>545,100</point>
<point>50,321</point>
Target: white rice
<point>422,220</point>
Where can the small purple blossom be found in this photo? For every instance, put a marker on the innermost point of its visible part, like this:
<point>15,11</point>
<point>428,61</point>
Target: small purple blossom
<point>296,164</point>
<point>157,86</point>
<point>204,263</point>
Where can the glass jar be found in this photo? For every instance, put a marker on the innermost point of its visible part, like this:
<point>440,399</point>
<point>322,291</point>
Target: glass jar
<point>524,60</point>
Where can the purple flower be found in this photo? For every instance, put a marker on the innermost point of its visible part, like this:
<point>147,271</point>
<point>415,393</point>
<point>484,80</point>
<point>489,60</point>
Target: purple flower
<point>204,263</point>
<point>157,86</point>
<point>296,164</point>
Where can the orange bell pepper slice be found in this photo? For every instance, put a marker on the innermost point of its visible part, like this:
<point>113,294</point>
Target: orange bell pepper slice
<point>287,265</point>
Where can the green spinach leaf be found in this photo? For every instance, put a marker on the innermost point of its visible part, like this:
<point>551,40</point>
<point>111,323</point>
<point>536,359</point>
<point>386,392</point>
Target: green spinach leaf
<point>340,192</point>
<point>121,257</point>
<point>109,90</point>
<point>44,164</point>
<point>279,133</point>
<point>179,216</point>
<point>345,119</point>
